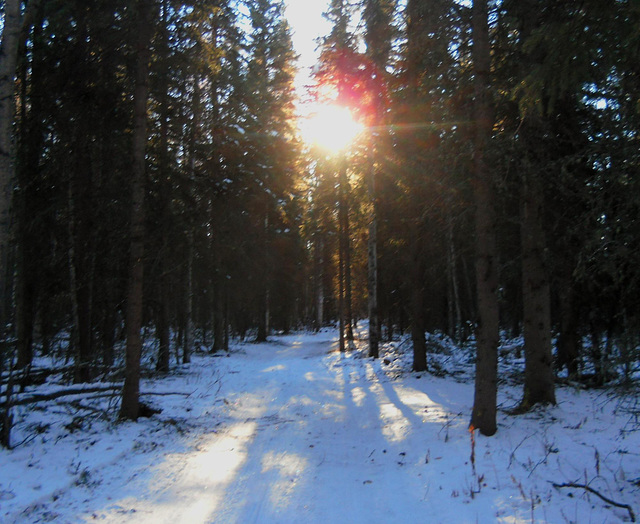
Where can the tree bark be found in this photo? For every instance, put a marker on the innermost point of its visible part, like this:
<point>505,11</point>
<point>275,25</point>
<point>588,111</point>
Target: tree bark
<point>264,299</point>
<point>569,345</point>
<point>81,259</point>
<point>372,262</point>
<point>26,201</point>
<point>342,248</point>
<point>347,264</point>
<point>8,62</point>
<point>319,281</point>
<point>483,416</point>
<point>187,341</point>
<point>15,24</point>
<point>131,391</point>
<point>162,322</point>
<point>187,337</point>
<point>455,314</point>
<point>219,318</point>
<point>538,374</point>
<point>417,304</point>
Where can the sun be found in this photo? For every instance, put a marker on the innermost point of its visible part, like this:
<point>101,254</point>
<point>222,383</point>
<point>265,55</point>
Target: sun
<point>330,127</point>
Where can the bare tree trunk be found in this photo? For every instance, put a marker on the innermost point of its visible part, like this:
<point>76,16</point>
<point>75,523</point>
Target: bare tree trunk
<point>347,272</point>
<point>25,310</point>
<point>26,286</point>
<point>346,248</point>
<point>14,27</point>
<point>108,328</point>
<point>319,281</point>
<point>483,416</point>
<point>226,316</point>
<point>131,391</point>
<point>538,374</point>
<point>264,306</point>
<point>8,62</point>
<point>342,210</point>
<point>187,341</point>
<point>162,321</point>
<point>455,314</point>
<point>81,259</point>
<point>569,345</point>
<point>218,309</point>
<point>164,339</point>
<point>372,262</point>
<point>417,304</point>
<point>187,338</point>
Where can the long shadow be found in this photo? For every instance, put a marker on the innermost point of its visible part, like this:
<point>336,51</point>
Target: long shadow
<point>330,448</point>
<point>314,448</point>
<point>393,397</point>
<point>326,457</point>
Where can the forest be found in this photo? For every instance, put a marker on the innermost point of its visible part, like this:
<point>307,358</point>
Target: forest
<point>157,190</point>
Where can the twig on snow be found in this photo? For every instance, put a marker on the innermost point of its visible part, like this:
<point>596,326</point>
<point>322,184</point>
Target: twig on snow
<point>606,499</point>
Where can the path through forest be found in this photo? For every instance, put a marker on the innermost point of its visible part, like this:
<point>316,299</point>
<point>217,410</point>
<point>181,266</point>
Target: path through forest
<point>293,431</point>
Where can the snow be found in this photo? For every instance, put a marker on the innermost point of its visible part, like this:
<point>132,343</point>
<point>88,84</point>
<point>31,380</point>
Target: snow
<point>293,431</point>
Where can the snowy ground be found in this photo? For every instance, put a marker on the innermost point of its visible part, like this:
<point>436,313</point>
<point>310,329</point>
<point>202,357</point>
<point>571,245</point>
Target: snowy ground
<point>294,432</point>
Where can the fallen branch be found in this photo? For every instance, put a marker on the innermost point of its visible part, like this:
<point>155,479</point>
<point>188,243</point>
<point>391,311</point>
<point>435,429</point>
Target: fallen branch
<point>41,397</point>
<point>606,499</point>
<point>164,393</point>
<point>33,376</point>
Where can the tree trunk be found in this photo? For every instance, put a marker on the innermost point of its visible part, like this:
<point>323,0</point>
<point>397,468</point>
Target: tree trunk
<point>8,62</point>
<point>264,306</point>
<point>187,334</point>
<point>417,305</point>
<point>25,307</point>
<point>131,391</point>
<point>538,375</point>
<point>162,322</point>
<point>342,248</point>
<point>26,200</point>
<point>346,249</point>
<point>319,281</point>
<point>164,338</point>
<point>218,312</point>
<point>349,321</point>
<point>372,263</point>
<point>14,25</point>
<point>81,258</point>
<point>455,314</point>
<point>483,416</point>
<point>187,341</point>
<point>569,345</point>
<point>108,328</point>
<point>226,317</point>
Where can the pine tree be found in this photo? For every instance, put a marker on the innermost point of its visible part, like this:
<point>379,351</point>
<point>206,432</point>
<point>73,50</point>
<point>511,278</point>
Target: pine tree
<point>483,416</point>
<point>272,148</point>
<point>378,16</point>
<point>130,407</point>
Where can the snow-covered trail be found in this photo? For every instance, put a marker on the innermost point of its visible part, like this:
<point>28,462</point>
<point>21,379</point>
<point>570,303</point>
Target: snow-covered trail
<point>299,433</point>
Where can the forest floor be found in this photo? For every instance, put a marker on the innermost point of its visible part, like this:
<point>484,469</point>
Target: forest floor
<point>292,431</point>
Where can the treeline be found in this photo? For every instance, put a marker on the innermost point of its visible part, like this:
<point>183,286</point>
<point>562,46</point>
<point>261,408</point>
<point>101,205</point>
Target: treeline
<point>496,186</point>
<point>216,225</point>
<point>503,152</point>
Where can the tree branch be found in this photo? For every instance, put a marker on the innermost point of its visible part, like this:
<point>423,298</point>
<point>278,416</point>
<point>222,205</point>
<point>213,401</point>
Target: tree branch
<point>40,397</point>
<point>606,499</point>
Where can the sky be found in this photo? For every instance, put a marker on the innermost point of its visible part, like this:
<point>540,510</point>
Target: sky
<point>307,24</point>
